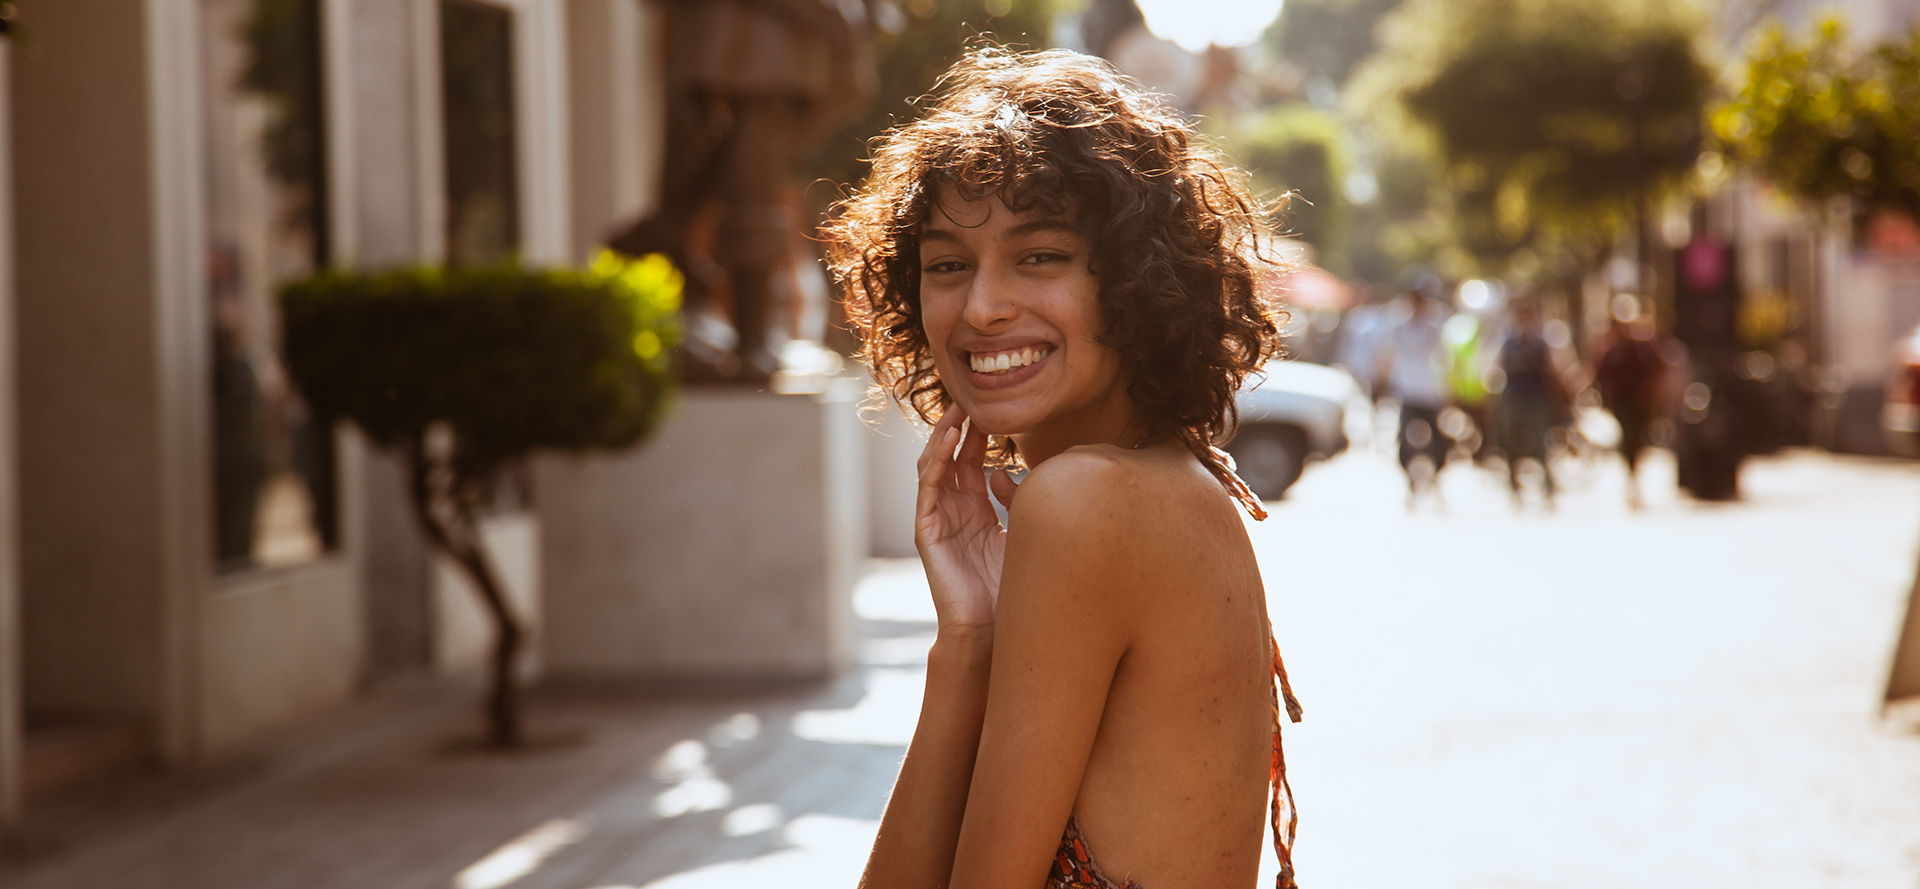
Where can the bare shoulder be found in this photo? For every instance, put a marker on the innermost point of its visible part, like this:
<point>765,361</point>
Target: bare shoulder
<point>1137,503</point>
<point>1080,481</point>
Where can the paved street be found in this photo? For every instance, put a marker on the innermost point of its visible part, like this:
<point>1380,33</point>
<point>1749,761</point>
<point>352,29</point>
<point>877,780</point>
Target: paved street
<point>1685,697</point>
<point>1681,698</point>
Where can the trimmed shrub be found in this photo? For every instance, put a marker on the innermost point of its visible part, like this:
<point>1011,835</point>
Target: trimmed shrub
<point>462,373</point>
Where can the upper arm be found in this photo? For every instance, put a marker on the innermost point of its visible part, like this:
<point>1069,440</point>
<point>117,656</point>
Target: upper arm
<point>1059,633</point>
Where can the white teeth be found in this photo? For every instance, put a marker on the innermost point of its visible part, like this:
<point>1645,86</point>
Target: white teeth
<point>1005,361</point>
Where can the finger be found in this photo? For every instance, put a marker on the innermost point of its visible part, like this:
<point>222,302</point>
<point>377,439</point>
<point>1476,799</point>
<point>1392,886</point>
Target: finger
<point>1004,487</point>
<point>952,418</point>
<point>933,440</point>
<point>938,460</point>
<point>935,474</point>
<point>972,462</point>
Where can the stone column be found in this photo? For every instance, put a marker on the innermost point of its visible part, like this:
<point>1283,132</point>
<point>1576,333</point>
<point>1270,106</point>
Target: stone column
<point>113,391</point>
<point>12,796</point>
<point>617,115</point>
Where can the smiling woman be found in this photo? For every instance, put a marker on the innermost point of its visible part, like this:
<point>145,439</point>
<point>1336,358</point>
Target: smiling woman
<point>1053,269</point>
<point>1093,178</point>
<point>1014,298</point>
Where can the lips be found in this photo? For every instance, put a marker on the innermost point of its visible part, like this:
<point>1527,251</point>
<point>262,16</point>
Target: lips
<point>1006,360</point>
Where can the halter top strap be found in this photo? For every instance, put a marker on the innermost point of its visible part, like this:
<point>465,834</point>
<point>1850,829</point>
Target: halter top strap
<point>1284,817</point>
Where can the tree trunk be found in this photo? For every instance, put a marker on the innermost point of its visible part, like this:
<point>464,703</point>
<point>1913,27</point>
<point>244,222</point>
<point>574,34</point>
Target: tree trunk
<point>1903,677</point>
<point>454,530</point>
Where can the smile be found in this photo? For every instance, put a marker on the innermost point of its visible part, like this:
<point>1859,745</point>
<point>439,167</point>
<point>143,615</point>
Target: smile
<point>993,363</point>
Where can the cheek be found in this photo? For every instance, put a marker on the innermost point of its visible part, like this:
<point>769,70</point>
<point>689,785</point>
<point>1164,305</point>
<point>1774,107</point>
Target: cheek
<point>937,326</point>
<point>935,321</point>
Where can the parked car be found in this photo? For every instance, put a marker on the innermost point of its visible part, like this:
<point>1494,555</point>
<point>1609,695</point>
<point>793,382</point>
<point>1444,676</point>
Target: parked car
<point>1296,414</point>
<point>1900,413</point>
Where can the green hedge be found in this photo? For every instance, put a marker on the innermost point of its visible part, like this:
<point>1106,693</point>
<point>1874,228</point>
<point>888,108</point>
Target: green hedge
<point>513,360</point>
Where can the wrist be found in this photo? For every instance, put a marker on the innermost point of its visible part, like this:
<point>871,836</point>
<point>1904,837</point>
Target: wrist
<point>963,645</point>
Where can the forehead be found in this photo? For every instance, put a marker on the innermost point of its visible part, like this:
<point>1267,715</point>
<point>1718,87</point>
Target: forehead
<point>951,215</point>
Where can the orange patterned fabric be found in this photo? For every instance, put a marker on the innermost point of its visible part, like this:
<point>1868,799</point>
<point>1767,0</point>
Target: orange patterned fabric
<point>1074,867</point>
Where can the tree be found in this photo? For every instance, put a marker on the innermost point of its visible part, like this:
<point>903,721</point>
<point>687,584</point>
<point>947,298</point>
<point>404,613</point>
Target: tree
<point>1822,119</point>
<point>1553,121</point>
<point>1299,150</point>
<point>465,373</point>
<point>1327,38</point>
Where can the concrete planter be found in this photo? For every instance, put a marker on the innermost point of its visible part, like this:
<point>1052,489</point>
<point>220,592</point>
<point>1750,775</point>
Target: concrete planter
<point>724,548</point>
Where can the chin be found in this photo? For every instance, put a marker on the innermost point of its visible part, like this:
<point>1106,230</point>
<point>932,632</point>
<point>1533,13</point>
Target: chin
<point>996,419</point>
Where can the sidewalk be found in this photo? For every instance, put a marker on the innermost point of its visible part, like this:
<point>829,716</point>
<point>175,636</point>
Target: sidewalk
<point>1683,698</point>
<point>630,788</point>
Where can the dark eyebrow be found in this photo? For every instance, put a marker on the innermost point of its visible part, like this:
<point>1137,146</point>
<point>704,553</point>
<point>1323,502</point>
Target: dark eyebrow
<point>1029,227</point>
<point>1043,225</point>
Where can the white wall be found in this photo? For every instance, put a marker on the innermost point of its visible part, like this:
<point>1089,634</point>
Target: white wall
<point>541,113</point>
<point>398,193</point>
<point>618,115</point>
<point>278,647</point>
<point>463,633</point>
<point>894,444</point>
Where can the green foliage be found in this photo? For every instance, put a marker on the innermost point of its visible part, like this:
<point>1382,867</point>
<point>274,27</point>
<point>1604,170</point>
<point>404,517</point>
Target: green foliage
<point>912,48</point>
<point>1552,120</point>
<point>1328,38</point>
<point>1295,148</point>
<point>1822,120</point>
<point>513,360</point>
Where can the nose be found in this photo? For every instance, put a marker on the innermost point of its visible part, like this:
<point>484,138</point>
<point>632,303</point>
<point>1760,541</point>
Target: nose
<point>990,301</point>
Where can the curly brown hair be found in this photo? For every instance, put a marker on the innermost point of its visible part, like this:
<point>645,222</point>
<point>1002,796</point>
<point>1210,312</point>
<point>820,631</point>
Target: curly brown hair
<point>1178,240</point>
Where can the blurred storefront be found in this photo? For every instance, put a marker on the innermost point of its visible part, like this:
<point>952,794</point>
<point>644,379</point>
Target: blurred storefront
<point>1825,292</point>
<point>189,559</point>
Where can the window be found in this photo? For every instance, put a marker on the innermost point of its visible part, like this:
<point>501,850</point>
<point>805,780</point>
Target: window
<point>266,224</point>
<point>483,213</point>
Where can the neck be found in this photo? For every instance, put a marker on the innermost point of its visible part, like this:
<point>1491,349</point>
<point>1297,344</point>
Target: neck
<point>1116,421</point>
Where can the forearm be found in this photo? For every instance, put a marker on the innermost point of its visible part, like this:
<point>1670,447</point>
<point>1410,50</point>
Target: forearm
<point>922,822</point>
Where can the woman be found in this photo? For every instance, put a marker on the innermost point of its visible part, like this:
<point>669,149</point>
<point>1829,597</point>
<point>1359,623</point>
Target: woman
<point>1053,270</point>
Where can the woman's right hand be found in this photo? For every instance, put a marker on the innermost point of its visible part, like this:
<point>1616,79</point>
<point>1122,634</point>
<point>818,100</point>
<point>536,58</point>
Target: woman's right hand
<point>959,536</point>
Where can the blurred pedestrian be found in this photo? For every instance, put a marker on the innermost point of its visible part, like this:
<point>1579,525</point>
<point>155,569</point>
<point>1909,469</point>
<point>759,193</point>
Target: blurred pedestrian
<point>1533,398</point>
<point>1417,361</point>
<point>1474,345</point>
<point>1363,332</point>
<point>1630,373</point>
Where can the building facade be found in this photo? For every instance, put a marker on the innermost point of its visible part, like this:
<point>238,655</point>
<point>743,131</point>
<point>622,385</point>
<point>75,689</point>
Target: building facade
<point>188,559</point>
<point>1843,294</point>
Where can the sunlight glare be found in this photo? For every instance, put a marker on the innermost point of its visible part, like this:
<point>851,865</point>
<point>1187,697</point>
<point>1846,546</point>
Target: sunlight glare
<point>748,820</point>
<point>519,856</point>
<point>694,789</point>
<point>1195,23</point>
<point>885,716</point>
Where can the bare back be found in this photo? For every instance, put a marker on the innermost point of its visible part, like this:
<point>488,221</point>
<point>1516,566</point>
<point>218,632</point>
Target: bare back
<point>1174,786</point>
